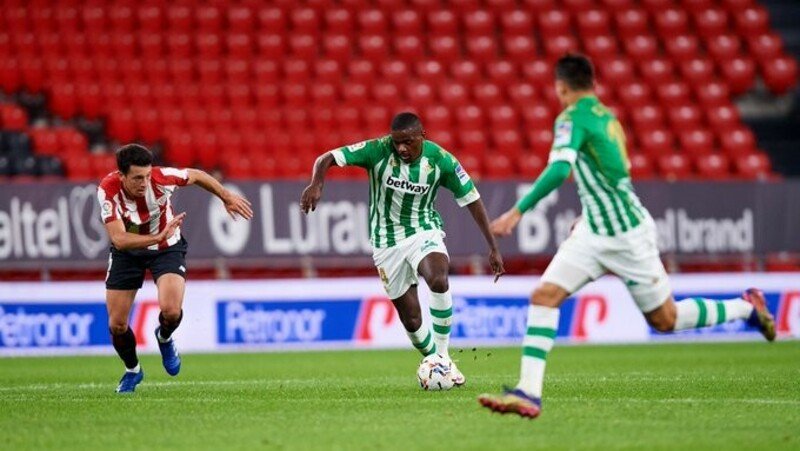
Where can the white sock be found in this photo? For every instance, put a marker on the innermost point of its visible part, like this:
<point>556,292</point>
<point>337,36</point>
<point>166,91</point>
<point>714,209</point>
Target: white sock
<point>542,329</point>
<point>694,313</point>
<point>135,369</point>
<point>422,340</point>
<point>441,306</point>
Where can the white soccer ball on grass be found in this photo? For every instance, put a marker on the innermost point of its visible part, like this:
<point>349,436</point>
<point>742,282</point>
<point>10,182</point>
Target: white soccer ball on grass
<point>434,373</point>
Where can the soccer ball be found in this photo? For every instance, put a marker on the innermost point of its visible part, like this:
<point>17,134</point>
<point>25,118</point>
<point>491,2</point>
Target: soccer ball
<point>434,373</point>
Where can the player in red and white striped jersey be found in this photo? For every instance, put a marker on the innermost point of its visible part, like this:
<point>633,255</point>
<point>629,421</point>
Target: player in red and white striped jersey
<point>145,234</point>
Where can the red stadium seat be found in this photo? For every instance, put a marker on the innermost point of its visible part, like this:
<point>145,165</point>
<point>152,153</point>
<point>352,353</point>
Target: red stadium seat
<point>208,19</point>
<point>385,93</point>
<point>711,22</point>
<point>479,22</point>
<point>674,166</point>
<point>373,47</point>
<point>442,23</point>
<point>420,94</point>
<point>537,116</point>
<point>516,22</point>
<point>466,71</point>
<point>305,20</point>
<point>657,71</point>
<point>630,22</point>
<point>780,74</point>
<point>643,46</point>
<point>241,19</point>
<point>372,21</point>
<point>470,117</point>
<point>338,48</point>
<point>765,46</point>
<point>722,117</point>
<point>472,142</point>
<point>498,166</point>
<point>696,141</point>
<point>444,49</point>
<point>520,49</point>
<point>752,21</point>
<point>430,71</point>
<point>682,47</point>
<point>538,72</point>
<point>557,45</point>
<point>641,167</point>
<point>504,72</point>
<point>601,47</point>
<point>714,166</point>
<point>409,21</point>
<point>634,94</point>
<point>724,46</point>
<point>481,49</point>
<point>437,117</point>
<point>671,22</point>
<point>361,71</point>
<point>487,94</point>
<point>508,142</point>
<point>656,141</point>
<point>738,141</point>
<point>541,140</point>
<point>673,94</point>
<point>713,94</point>
<point>409,48</point>
<point>503,117</point>
<point>531,165</point>
<point>338,20</point>
<point>453,94</point>
<point>395,71</point>
<point>522,94</point>
<point>592,22</point>
<point>740,74</point>
<point>752,165</point>
<point>616,71</point>
<point>554,22</point>
<point>698,71</point>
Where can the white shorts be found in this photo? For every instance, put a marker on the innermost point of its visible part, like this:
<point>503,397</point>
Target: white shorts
<point>397,265</point>
<point>633,256</point>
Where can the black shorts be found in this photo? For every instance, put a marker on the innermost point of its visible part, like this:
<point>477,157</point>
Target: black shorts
<point>126,270</point>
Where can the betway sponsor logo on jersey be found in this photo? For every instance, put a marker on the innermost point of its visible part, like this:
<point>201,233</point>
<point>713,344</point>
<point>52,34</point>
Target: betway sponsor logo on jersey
<point>52,325</point>
<point>407,186</point>
<point>273,322</point>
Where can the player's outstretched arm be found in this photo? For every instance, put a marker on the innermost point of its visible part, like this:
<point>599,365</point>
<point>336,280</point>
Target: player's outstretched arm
<point>234,203</point>
<point>125,241</point>
<point>478,212</point>
<point>551,178</point>
<point>313,192</point>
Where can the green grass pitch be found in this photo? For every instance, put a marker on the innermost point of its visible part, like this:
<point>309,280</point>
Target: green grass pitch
<point>717,396</point>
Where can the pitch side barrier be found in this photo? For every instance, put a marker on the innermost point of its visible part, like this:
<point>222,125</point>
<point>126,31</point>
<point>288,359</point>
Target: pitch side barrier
<point>59,226</point>
<point>223,316</point>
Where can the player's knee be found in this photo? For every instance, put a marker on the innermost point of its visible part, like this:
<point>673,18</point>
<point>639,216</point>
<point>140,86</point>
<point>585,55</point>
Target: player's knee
<point>438,283</point>
<point>171,314</point>
<point>662,323</point>
<point>545,295</point>
<point>412,321</point>
<point>117,327</point>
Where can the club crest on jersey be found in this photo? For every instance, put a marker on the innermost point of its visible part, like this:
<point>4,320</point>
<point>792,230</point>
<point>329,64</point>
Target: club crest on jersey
<point>462,175</point>
<point>106,209</point>
<point>357,146</point>
<point>563,134</point>
<point>406,186</point>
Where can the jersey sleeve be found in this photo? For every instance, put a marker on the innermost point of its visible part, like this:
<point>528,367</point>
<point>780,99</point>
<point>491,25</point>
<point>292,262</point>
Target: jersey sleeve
<point>568,137</point>
<point>456,179</point>
<point>109,209</point>
<point>363,154</point>
<point>169,179</point>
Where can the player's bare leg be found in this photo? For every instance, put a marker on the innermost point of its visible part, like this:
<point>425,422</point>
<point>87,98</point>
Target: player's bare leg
<point>434,268</point>
<point>118,304</point>
<point>525,399</point>
<point>698,312</point>
<point>410,314</point>
<point>171,288</point>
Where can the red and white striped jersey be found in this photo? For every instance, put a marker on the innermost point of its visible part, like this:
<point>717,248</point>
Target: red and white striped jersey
<point>147,215</point>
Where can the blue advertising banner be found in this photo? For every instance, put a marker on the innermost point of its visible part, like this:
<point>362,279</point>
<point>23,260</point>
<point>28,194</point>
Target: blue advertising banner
<point>30,325</point>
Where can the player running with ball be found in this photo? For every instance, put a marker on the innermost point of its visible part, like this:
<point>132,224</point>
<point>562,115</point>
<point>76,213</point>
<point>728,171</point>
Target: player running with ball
<point>615,234</point>
<point>405,171</point>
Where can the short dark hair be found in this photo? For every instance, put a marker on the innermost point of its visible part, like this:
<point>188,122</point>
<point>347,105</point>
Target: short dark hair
<point>405,121</point>
<point>576,71</point>
<point>133,155</point>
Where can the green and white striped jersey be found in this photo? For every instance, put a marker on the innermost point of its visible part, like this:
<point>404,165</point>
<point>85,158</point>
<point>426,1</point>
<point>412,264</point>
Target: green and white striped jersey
<point>589,137</point>
<point>401,196</point>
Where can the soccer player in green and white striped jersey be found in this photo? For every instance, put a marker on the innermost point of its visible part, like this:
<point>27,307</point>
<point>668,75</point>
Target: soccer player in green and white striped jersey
<point>405,171</point>
<point>615,234</point>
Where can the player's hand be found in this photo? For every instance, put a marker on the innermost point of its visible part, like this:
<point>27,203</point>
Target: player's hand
<point>504,225</point>
<point>172,226</point>
<point>310,197</point>
<point>238,205</point>
<point>496,262</point>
